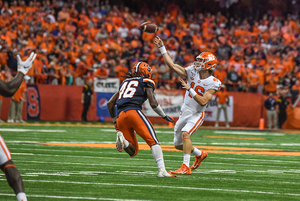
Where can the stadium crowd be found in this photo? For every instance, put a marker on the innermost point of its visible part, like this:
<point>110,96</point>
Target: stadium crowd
<point>77,40</point>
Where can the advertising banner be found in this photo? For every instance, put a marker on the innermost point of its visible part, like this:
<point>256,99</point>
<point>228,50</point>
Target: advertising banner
<point>33,102</point>
<point>110,85</point>
<point>105,89</point>
<point>170,101</point>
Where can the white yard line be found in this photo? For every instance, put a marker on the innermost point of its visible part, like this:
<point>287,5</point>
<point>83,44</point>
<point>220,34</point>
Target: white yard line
<point>242,144</point>
<point>114,131</point>
<point>248,133</point>
<point>31,130</point>
<point>72,197</point>
<point>290,144</point>
<point>156,186</point>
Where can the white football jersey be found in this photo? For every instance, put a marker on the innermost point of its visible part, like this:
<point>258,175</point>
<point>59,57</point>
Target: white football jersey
<point>200,86</point>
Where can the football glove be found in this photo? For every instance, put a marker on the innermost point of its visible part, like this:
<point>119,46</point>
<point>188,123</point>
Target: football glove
<point>24,66</point>
<point>169,119</point>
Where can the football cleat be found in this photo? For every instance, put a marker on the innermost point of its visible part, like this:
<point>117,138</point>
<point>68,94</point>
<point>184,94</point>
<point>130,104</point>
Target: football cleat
<point>184,169</point>
<point>165,173</point>
<point>198,160</point>
<point>120,141</point>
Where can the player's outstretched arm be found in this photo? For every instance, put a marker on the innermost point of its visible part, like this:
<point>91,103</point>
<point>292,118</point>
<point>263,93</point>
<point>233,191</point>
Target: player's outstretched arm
<point>177,68</point>
<point>155,106</point>
<point>8,89</point>
<point>202,100</point>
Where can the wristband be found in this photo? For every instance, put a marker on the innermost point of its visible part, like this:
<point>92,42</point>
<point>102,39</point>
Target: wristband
<point>163,50</point>
<point>159,111</point>
<point>192,92</point>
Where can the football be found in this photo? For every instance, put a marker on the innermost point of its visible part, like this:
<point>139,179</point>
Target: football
<point>149,27</point>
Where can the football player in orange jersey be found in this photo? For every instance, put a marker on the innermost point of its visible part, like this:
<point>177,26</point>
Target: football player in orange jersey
<point>200,88</point>
<point>8,89</point>
<point>134,91</point>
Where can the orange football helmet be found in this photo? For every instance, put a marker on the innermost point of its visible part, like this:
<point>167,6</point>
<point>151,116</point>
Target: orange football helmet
<point>205,61</point>
<point>143,69</point>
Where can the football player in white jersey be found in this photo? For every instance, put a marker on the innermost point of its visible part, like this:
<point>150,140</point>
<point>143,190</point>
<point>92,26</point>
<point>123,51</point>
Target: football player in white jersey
<point>8,89</point>
<point>200,88</point>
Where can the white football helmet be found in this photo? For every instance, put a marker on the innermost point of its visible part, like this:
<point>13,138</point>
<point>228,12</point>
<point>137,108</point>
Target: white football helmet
<point>205,61</point>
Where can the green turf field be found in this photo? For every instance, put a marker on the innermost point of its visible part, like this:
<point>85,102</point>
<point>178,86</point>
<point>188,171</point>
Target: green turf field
<point>93,173</point>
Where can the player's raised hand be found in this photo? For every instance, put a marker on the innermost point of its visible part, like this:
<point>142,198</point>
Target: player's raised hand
<point>184,84</point>
<point>169,119</point>
<point>24,66</point>
<point>158,42</point>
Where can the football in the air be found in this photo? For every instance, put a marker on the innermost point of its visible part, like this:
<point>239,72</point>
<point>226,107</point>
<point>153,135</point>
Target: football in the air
<point>149,27</point>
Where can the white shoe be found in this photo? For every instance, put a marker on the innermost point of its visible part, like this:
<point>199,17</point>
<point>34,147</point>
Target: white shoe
<point>10,121</point>
<point>22,121</point>
<point>227,125</point>
<point>1,121</point>
<point>17,121</point>
<point>120,141</point>
<point>165,173</point>
<point>216,125</point>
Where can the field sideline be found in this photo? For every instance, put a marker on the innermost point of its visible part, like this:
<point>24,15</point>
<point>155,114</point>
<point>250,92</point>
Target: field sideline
<point>67,161</point>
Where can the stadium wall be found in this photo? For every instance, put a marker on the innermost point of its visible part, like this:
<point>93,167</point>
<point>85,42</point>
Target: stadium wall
<point>63,103</point>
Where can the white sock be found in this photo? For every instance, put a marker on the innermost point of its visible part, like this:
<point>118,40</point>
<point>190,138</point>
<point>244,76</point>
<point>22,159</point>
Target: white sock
<point>158,156</point>
<point>126,143</point>
<point>197,152</point>
<point>186,159</point>
<point>21,196</point>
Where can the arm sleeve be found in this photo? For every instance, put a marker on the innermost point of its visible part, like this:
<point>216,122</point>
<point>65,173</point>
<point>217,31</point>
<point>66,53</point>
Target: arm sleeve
<point>216,84</point>
<point>188,71</point>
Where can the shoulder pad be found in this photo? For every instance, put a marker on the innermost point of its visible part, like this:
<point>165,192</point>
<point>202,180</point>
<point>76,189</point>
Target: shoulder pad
<point>149,83</point>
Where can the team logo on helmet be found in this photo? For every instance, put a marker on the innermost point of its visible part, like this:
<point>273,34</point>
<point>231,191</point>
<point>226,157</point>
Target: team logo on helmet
<point>143,69</point>
<point>205,61</point>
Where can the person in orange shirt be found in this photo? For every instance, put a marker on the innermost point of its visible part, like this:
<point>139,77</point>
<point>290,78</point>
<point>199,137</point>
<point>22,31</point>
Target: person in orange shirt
<point>220,73</point>
<point>101,72</point>
<point>121,70</point>
<point>81,70</point>
<point>222,99</point>
<point>16,104</point>
<point>295,90</point>
<point>271,82</point>
<point>23,99</point>
<point>253,80</point>
<point>261,74</point>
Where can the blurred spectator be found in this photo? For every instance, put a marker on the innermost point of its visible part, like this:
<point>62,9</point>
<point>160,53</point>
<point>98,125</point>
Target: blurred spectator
<point>253,80</point>
<point>16,104</point>
<point>101,72</point>
<point>81,71</point>
<point>232,80</point>
<point>271,82</point>
<point>295,91</point>
<point>86,98</point>
<point>97,32</point>
<point>220,73</point>
<point>222,99</point>
<point>282,105</point>
<point>270,105</point>
<point>164,75</point>
<point>121,70</point>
